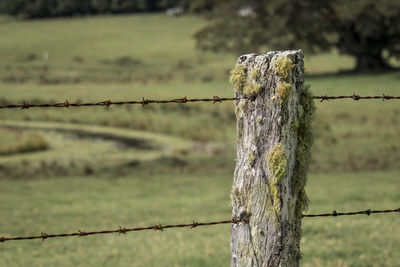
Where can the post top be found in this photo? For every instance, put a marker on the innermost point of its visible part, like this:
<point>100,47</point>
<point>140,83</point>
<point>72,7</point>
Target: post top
<point>271,54</point>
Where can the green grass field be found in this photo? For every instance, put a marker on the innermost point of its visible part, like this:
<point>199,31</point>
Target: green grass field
<point>69,204</point>
<point>103,168</point>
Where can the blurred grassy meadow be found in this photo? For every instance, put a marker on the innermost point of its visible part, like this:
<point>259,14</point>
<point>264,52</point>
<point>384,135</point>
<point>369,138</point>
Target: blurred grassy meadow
<point>100,168</point>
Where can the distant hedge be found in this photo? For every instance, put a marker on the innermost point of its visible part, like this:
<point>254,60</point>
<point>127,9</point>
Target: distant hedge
<point>59,8</point>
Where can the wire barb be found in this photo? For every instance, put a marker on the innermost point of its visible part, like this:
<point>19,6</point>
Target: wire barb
<point>25,105</point>
<point>44,236</point>
<point>216,99</point>
<point>122,230</point>
<point>82,233</point>
<point>183,100</point>
<point>107,103</point>
<point>195,224</point>
<point>158,227</point>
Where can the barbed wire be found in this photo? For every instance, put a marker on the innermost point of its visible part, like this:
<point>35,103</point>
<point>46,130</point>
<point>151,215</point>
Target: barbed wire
<point>107,103</point>
<point>183,100</point>
<point>356,97</point>
<point>121,230</point>
<point>192,225</point>
<point>335,213</point>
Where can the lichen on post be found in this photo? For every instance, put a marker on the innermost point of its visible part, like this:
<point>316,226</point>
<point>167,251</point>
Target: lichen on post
<point>274,112</point>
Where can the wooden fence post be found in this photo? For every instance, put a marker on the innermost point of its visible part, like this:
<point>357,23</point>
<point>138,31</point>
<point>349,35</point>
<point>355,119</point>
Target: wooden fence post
<point>274,112</point>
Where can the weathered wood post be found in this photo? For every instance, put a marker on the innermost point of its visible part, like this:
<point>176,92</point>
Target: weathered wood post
<point>274,111</point>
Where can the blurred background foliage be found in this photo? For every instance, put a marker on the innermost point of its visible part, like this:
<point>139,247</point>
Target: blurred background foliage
<point>59,8</point>
<point>368,30</point>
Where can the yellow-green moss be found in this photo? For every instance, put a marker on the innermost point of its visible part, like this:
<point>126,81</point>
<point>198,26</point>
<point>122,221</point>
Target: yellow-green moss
<point>283,91</point>
<point>252,89</point>
<point>276,162</point>
<point>300,128</point>
<point>254,74</point>
<point>238,77</point>
<point>304,142</point>
<point>283,67</point>
<point>294,126</point>
<point>248,85</point>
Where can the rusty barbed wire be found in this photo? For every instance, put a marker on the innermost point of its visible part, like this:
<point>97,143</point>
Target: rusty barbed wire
<point>123,230</point>
<point>107,103</point>
<point>183,100</point>
<point>335,213</point>
<point>355,97</point>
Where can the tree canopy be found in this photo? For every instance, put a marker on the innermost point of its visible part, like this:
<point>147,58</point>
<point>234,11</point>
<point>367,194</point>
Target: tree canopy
<point>57,8</point>
<point>369,30</point>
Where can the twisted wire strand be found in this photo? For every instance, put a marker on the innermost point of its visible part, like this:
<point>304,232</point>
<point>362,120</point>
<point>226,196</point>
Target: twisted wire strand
<point>123,230</point>
<point>183,100</point>
<point>192,225</point>
<point>335,213</point>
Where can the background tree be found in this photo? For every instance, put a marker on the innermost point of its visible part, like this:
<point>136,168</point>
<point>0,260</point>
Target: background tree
<point>368,30</point>
<point>57,8</point>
